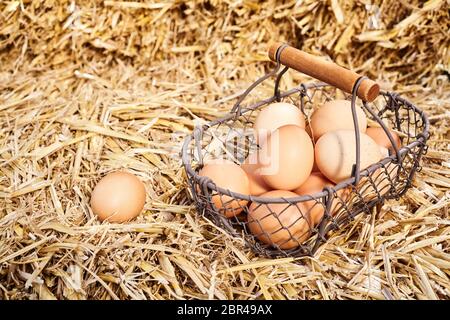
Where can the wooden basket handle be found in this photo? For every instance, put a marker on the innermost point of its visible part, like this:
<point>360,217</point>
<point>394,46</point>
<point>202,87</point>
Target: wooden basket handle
<point>324,70</point>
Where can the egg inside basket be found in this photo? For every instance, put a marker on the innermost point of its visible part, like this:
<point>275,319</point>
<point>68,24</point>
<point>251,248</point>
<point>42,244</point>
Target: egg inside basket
<point>292,213</point>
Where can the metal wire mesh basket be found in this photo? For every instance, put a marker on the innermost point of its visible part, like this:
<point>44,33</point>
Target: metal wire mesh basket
<point>339,205</point>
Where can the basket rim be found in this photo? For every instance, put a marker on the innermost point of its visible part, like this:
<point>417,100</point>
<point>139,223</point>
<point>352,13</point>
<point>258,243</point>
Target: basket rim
<point>186,158</point>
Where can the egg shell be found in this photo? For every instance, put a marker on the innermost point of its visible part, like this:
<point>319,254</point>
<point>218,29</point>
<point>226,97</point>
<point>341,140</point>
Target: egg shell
<point>314,184</point>
<point>341,200</point>
<point>252,168</point>
<point>289,155</point>
<point>264,221</point>
<point>275,116</point>
<point>336,115</point>
<point>384,152</point>
<point>335,153</point>
<point>380,137</point>
<point>379,184</point>
<point>118,197</point>
<point>385,177</point>
<point>227,175</point>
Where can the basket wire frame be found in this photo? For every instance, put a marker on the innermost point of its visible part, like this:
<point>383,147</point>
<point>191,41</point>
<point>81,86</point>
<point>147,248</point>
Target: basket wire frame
<point>389,178</point>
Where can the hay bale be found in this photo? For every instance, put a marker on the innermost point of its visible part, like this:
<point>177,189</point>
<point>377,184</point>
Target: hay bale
<point>89,87</point>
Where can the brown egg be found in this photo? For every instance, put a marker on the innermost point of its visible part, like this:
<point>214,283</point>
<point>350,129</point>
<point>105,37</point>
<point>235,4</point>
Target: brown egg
<point>275,116</point>
<point>340,201</point>
<point>314,184</point>
<point>384,152</point>
<point>119,196</point>
<point>379,184</point>
<point>266,221</point>
<point>336,115</point>
<point>335,153</point>
<point>379,136</point>
<point>227,175</point>
<point>385,177</point>
<point>286,158</point>
<point>252,168</point>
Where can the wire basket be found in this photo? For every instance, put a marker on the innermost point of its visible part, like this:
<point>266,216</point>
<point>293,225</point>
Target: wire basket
<point>232,135</point>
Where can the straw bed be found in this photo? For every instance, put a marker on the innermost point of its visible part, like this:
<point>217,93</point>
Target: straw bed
<point>87,87</point>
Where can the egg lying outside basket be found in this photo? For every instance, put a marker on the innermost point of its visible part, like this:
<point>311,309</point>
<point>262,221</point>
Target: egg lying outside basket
<point>232,137</point>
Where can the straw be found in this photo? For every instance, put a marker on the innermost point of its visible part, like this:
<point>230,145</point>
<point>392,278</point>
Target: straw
<point>91,87</point>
